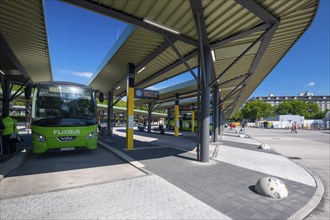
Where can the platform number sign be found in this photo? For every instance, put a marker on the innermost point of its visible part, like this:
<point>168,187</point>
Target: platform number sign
<point>130,79</point>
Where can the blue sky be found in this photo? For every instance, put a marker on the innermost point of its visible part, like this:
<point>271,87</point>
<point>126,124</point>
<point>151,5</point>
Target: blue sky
<point>80,39</point>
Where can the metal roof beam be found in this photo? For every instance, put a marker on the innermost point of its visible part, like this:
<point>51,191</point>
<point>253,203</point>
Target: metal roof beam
<point>257,28</point>
<point>197,8</point>
<point>239,57</point>
<point>256,9</point>
<point>231,104</point>
<point>181,58</point>
<point>173,98</point>
<point>263,46</point>
<point>153,55</point>
<point>156,107</point>
<point>10,54</point>
<point>163,47</point>
<point>231,109</point>
<point>241,35</point>
<point>217,44</point>
<point>234,91</point>
<point>177,63</point>
<point>18,92</point>
<point>128,19</point>
<point>118,99</point>
<point>233,79</point>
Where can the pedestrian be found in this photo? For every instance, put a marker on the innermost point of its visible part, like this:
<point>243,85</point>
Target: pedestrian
<point>243,127</point>
<point>9,145</point>
<point>294,128</point>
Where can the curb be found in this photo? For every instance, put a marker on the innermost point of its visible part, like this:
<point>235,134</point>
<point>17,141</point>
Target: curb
<point>314,202</point>
<point>13,163</point>
<point>124,156</point>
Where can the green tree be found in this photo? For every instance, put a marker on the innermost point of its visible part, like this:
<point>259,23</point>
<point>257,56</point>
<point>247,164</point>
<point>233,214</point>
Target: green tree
<point>238,116</point>
<point>296,107</point>
<point>284,108</point>
<point>256,109</point>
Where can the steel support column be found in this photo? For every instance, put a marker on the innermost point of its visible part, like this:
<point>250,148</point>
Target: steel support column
<point>207,67</point>
<point>198,109</point>
<point>6,96</point>
<point>222,121</point>
<point>149,116</point>
<point>110,112</point>
<point>168,118</point>
<point>27,113</point>
<point>176,119</point>
<point>130,107</point>
<point>193,118</point>
<point>215,113</point>
<point>205,107</point>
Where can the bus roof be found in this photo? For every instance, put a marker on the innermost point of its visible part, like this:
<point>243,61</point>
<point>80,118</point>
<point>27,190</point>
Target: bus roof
<point>63,83</point>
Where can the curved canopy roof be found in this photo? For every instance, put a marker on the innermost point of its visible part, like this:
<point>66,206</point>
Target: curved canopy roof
<point>23,42</point>
<point>249,37</point>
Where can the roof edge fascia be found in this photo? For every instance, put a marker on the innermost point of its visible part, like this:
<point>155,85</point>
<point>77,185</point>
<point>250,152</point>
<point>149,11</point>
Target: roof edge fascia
<point>47,39</point>
<point>117,45</point>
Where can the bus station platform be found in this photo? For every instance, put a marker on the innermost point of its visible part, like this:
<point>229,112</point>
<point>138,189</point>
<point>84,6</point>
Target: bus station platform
<point>226,183</point>
<point>176,186</point>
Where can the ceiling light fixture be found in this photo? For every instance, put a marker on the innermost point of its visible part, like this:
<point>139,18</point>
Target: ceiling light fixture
<point>162,26</point>
<point>141,69</point>
<point>213,55</point>
<point>2,72</point>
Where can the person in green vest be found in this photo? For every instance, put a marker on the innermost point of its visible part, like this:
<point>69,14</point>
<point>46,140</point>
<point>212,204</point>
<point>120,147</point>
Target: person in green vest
<point>9,145</point>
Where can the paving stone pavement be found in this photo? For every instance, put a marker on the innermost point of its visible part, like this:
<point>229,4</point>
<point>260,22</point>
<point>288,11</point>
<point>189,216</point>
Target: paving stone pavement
<point>228,137</point>
<point>179,188</point>
<point>223,186</point>
<point>271,164</point>
<point>149,197</point>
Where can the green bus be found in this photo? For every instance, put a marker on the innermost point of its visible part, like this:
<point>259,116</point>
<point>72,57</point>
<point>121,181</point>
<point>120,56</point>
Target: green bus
<point>184,122</point>
<point>64,117</point>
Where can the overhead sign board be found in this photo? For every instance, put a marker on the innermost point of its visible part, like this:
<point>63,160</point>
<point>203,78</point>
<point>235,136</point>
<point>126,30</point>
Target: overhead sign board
<point>146,94</point>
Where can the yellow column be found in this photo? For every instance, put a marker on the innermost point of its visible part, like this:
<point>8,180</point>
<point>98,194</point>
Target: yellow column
<point>130,108</point>
<point>176,116</point>
<point>193,121</point>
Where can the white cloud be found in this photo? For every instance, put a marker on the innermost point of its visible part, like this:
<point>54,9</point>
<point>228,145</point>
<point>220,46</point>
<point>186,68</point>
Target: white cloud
<point>75,73</point>
<point>310,84</point>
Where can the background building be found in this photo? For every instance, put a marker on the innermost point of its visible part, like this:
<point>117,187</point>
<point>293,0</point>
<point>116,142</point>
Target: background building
<point>322,101</point>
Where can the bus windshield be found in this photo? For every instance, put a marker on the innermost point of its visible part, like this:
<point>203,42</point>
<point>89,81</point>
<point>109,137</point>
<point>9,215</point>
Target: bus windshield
<point>64,101</point>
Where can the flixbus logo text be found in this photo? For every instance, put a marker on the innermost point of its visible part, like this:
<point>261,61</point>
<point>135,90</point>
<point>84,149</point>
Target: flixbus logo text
<point>65,132</point>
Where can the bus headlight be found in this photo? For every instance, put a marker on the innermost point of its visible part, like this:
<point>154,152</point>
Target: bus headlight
<point>39,137</point>
<point>92,135</point>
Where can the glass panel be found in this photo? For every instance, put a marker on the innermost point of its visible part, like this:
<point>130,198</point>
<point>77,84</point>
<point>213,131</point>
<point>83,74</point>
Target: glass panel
<point>65,101</point>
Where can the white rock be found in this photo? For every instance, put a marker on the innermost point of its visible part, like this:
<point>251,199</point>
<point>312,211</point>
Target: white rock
<point>271,187</point>
<point>264,147</point>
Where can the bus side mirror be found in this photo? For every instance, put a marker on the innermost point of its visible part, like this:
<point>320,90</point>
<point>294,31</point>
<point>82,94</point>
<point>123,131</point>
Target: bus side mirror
<point>28,91</point>
<point>101,97</point>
